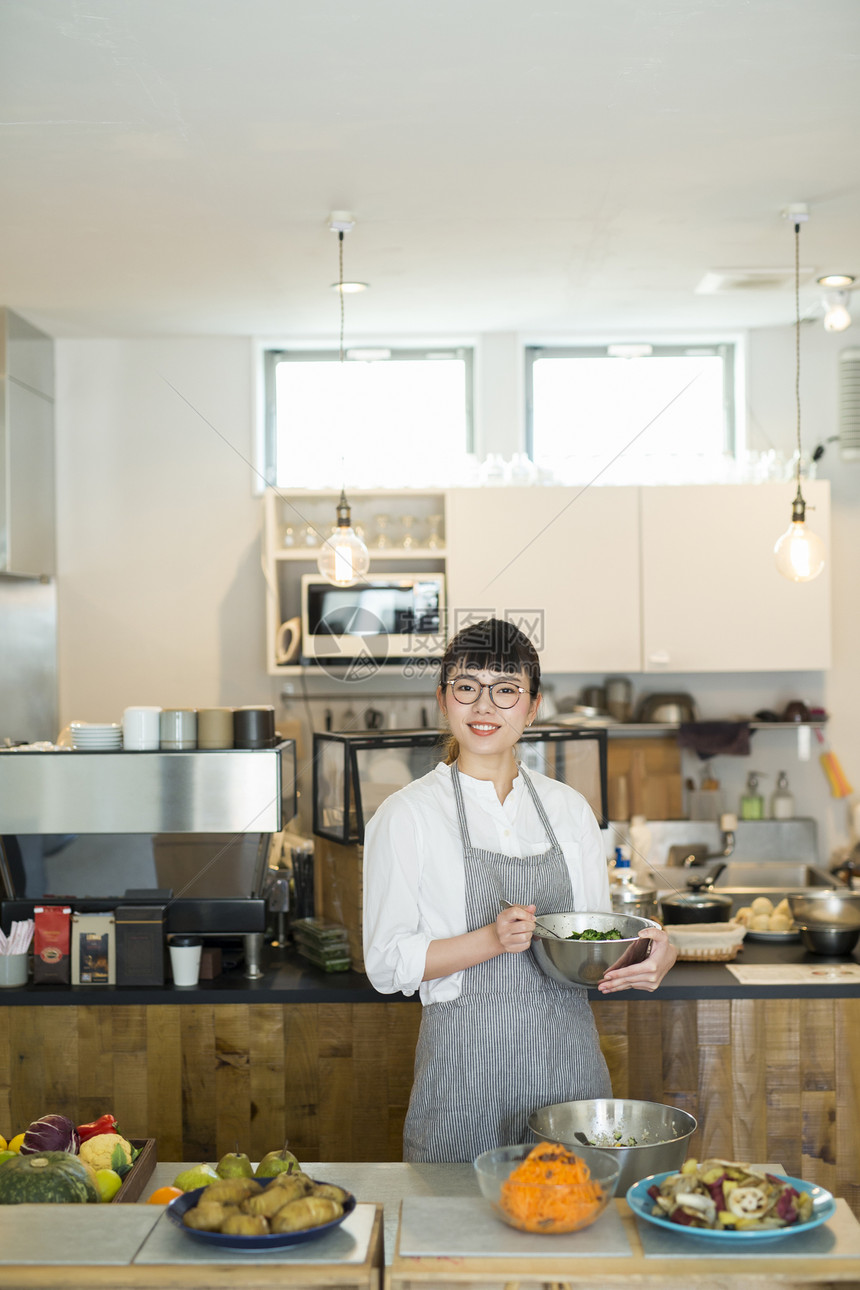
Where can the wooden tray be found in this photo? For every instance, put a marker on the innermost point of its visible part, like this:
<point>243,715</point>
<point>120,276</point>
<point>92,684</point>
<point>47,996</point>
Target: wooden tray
<point>140,1172</point>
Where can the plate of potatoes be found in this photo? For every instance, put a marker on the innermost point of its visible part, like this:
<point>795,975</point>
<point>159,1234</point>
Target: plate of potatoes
<point>766,921</point>
<point>261,1213</point>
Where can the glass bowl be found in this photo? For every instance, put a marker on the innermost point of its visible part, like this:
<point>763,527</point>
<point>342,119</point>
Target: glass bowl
<point>544,1207</point>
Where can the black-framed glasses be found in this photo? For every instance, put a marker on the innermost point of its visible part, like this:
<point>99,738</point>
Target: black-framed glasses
<point>504,694</point>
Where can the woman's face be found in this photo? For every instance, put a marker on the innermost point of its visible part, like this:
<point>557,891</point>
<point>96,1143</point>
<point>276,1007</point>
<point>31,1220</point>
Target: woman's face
<point>484,727</point>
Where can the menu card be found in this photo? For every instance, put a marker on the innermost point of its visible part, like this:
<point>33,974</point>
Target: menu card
<point>796,973</point>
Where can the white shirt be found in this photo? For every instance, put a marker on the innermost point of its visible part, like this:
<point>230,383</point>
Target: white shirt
<point>414,889</point>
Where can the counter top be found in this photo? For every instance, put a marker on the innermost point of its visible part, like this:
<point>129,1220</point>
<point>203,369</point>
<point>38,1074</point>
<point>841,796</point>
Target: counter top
<point>389,1184</point>
<point>288,978</point>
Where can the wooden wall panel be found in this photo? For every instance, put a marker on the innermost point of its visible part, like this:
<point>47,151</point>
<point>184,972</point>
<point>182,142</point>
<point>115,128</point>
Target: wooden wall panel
<point>268,1105</point>
<point>768,1081</point>
<point>847,1042</point>
<point>749,1080</point>
<point>196,1091</point>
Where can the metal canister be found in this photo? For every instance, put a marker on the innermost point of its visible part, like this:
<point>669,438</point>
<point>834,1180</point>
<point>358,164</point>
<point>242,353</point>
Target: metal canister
<point>629,898</point>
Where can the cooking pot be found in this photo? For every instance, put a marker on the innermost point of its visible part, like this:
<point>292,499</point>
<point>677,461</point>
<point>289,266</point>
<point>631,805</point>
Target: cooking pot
<point>667,708</point>
<point>696,907</point>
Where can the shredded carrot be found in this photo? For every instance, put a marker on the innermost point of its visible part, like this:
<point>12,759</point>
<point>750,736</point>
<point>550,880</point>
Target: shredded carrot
<point>551,1191</point>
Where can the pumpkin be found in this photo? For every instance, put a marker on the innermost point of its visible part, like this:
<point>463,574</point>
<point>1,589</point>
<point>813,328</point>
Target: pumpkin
<point>54,1177</point>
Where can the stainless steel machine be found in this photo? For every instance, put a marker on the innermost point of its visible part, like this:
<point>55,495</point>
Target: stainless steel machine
<point>196,822</point>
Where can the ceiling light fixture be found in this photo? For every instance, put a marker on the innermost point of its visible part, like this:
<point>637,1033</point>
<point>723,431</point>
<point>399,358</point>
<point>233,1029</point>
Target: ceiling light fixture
<point>799,552</point>
<point>343,559</point>
<point>836,281</point>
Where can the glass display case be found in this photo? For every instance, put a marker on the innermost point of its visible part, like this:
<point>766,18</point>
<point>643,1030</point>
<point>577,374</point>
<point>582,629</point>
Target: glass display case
<point>354,773</point>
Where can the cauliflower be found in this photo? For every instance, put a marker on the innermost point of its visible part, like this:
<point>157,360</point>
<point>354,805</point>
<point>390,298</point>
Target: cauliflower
<point>98,1151</point>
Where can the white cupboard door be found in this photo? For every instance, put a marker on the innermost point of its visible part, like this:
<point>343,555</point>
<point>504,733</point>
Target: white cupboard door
<point>713,600</point>
<point>562,564</point>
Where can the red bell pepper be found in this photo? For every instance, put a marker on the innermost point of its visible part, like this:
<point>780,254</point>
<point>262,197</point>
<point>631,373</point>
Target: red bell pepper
<point>104,1124</point>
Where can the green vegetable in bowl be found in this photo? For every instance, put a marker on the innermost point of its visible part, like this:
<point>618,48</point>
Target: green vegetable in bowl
<point>592,934</point>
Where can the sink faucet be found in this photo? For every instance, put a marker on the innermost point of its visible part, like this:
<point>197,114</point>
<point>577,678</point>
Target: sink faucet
<point>698,855</point>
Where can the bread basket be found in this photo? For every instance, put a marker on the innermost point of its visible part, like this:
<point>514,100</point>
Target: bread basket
<point>707,942</point>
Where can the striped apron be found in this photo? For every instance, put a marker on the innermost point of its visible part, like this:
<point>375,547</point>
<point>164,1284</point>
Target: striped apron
<point>514,1040</point>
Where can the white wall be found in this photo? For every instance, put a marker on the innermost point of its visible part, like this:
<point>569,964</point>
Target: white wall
<point>160,590</point>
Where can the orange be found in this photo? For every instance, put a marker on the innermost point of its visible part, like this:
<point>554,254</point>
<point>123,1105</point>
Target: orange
<point>163,1195</point>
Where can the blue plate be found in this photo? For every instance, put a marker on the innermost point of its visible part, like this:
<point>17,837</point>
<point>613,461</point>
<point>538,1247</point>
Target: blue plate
<point>823,1207</point>
<point>248,1244</point>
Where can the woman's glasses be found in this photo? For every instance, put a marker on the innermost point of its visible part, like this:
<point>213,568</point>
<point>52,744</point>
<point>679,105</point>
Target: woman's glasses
<point>504,694</point>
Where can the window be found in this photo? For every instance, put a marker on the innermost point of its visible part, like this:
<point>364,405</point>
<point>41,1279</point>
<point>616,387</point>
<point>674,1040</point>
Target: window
<point>632,413</point>
<point>381,418</point>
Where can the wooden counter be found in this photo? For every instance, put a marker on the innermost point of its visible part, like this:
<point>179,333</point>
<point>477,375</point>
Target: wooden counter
<point>327,1063</point>
<point>698,1272</point>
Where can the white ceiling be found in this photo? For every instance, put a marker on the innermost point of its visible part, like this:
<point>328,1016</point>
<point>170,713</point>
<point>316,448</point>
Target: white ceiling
<point>553,167</point>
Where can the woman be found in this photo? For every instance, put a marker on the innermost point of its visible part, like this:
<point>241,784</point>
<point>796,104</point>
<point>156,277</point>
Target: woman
<point>498,1039</point>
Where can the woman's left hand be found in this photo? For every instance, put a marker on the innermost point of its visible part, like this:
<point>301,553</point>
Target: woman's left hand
<point>648,974</point>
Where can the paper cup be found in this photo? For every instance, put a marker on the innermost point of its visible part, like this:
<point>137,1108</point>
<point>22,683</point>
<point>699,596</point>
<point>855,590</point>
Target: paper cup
<point>185,954</point>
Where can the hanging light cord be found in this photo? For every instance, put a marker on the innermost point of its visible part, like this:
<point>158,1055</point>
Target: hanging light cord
<point>797,345</point>
<point>340,286</point>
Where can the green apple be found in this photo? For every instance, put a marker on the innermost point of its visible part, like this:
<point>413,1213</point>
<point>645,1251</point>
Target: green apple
<point>277,1162</point>
<point>199,1176</point>
<point>234,1165</point>
<point>7,1155</point>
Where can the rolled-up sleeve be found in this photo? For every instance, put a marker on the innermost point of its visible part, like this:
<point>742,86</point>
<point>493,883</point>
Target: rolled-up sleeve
<point>395,946</point>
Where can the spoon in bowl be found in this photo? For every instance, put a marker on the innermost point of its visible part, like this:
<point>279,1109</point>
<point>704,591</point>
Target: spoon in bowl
<point>542,927</point>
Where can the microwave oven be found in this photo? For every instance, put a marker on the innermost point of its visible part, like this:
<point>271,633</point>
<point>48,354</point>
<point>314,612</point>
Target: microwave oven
<point>386,618</point>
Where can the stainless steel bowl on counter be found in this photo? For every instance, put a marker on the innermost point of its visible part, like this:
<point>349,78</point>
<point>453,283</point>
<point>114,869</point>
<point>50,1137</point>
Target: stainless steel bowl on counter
<point>829,940</point>
<point>835,907</point>
<point>644,1137</point>
<point>586,962</point>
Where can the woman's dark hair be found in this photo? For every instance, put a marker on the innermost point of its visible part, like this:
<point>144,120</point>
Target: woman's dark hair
<point>491,645</point>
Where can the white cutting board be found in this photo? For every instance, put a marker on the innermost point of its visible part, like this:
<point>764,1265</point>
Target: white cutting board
<point>444,1226</point>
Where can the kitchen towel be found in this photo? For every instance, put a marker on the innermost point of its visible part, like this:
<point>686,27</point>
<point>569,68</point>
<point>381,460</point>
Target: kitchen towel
<point>710,738</point>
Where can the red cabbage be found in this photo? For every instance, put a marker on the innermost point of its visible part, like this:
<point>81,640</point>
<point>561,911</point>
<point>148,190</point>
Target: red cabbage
<point>51,1133</point>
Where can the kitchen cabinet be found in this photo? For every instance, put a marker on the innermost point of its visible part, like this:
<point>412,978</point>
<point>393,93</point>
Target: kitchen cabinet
<point>653,579</point>
<point>404,529</point>
<point>27,538</point>
<point>635,579</point>
<point>712,600</point>
<point>561,562</point>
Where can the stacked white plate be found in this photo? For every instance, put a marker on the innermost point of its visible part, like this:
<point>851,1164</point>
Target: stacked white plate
<point>89,735</point>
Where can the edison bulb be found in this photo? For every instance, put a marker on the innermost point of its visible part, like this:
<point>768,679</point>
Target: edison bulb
<point>837,316</point>
<point>343,557</point>
<point>799,553</point>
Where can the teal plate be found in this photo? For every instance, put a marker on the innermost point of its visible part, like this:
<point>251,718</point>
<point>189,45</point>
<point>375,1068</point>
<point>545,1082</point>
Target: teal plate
<point>823,1208</point>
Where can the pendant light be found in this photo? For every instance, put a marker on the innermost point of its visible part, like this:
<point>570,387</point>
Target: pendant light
<point>343,559</point>
<point>799,553</point>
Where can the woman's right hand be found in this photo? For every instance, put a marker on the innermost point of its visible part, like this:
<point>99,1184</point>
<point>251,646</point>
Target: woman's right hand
<point>514,928</point>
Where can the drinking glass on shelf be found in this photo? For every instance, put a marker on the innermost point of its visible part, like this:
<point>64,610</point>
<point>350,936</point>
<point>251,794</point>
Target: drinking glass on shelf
<point>382,540</point>
<point>309,536</point>
<point>408,522</point>
<point>289,536</point>
<point>434,537</point>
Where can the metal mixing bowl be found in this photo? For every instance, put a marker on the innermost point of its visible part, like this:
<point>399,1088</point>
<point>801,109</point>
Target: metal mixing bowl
<point>829,940</point>
<point>661,1133</point>
<point>586,962</point>
<point>826,907</point>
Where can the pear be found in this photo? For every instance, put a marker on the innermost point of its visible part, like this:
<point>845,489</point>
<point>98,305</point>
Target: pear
<point>198,1176</point>
<point>277,1162</point>
<point>234,1165</point>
